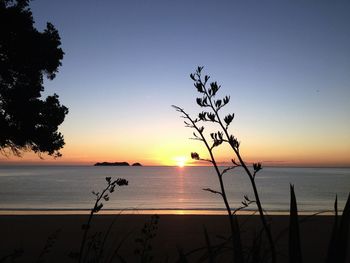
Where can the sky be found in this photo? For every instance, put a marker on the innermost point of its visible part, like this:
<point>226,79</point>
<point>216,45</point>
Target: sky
<point>285,65</point>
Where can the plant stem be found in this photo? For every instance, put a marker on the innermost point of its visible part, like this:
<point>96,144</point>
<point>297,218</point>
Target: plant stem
<point>252,180</point>
<point>87,226</point>
<point>236,238</point>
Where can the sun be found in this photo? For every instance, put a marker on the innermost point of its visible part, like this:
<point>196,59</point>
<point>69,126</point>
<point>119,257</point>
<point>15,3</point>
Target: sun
<point>181,164</point>
<point>180,161</point>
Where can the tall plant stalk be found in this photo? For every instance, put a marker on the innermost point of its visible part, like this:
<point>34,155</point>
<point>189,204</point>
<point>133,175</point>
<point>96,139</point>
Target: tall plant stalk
<point>208,101</point>
<point>103,196</point>
<point>235,233</point>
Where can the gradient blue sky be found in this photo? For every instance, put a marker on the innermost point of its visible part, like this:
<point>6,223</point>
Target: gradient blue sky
<point>286,65</point>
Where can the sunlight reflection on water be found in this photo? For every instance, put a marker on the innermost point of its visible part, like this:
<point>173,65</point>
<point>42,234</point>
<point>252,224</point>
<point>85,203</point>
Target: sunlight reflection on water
<point>168,188</point>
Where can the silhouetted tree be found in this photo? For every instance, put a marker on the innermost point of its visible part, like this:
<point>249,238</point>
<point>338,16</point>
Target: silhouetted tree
<point>28,122</point>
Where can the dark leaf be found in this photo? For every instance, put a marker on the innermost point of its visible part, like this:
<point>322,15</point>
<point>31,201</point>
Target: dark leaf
<point>332,247</point>
<point>257,167</point>
<point>98,207</point>
<point>202,116</point>
<point>199,87</point>
<point>122,182</point>
<point>205,102</point>
<point>233,142</point>
<point>295,255</point>
<point>211,116</point>
<point>343,236</point>
<point>226,99</point>
<point>228,119</point>
<point>217,143</point>
<point>194,156</point>
<point>214,88</point>
<point>218,103</point>
<point>220,135</point>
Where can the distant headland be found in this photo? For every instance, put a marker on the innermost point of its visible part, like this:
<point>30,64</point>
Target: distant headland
<point>116,164</point>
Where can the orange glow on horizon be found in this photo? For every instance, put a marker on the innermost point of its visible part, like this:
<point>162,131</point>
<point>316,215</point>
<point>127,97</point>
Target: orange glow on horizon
<point>176,152</point>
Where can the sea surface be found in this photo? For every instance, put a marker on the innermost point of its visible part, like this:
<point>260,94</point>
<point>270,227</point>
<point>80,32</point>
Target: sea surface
<point>168,188</point>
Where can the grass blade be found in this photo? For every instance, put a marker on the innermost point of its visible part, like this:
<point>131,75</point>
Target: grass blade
<point>209,248</point>
<point>343,234</point>
<point>295,255</point>
<point>332,248</point>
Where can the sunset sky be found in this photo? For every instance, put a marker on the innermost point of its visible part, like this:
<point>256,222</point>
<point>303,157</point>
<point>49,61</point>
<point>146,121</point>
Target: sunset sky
<point>285,64</point>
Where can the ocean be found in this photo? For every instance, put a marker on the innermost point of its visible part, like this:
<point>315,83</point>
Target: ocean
<point>168,188</point>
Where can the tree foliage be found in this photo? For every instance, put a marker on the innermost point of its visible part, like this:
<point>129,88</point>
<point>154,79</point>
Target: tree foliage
<point>28,121</point>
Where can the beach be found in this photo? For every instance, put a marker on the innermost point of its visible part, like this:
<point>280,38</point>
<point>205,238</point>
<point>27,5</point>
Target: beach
<point>175,232</point>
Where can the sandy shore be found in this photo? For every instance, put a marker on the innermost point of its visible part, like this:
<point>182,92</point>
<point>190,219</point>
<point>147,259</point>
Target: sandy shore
<point>31,232</point>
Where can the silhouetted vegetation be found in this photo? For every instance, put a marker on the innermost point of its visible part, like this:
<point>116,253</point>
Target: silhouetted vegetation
<point>338,245</point>
<point>144,241</point>
<point>50,242</point>
<point>92,253</point>
<point>212,106</point>
<point>27,121</point>
<point>257,252</point>
<point>17,253</point>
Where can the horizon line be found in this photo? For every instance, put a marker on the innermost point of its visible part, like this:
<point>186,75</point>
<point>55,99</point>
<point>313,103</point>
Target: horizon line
<point>163,165</point>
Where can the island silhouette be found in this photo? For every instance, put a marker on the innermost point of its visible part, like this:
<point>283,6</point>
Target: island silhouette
<point>116,164</point>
